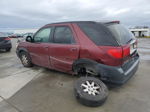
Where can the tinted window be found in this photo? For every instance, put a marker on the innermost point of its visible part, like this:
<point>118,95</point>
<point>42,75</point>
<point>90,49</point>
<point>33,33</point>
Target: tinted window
<point>122,34</point>
<point>63,35</point>
<point>43,35</point>
<point>98,33</point>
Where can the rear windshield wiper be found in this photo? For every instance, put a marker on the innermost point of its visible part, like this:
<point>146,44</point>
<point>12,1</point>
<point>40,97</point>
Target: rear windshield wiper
<point>130,40</point>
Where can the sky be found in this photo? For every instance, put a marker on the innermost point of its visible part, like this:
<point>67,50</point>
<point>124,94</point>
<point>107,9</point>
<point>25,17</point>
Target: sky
<point>36,13</point>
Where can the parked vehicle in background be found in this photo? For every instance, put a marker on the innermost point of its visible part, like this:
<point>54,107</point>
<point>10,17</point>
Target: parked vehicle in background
<point>27,34</point>
<point>24,38</point>
<point>5,42</point>
<point>15,36</point>
<point>9,33</point>
<point>103,49</point>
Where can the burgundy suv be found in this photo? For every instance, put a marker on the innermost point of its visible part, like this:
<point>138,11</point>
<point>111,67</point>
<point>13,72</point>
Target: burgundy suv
<point>103,49</point>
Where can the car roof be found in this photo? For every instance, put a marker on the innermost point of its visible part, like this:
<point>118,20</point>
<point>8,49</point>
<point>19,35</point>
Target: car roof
<point>66,22</point>
<point>102,22</point>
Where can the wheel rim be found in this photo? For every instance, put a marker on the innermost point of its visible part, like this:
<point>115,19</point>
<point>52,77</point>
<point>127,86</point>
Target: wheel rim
<point>24,59</point>
<point>91,88</point>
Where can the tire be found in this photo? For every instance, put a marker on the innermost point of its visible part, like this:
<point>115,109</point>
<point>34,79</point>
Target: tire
<point>88,98</point>
<point>25,59</point>
<point>8,49</point>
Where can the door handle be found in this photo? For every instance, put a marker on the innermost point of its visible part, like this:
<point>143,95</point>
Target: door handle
<point>73,49</point>
<point>45,46</point>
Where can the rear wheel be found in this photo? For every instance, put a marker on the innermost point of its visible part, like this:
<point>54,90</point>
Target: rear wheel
<point>25,59</point>
<point>86,70</point>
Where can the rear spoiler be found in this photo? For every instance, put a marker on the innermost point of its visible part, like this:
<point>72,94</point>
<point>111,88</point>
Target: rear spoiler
<point>113,22</point>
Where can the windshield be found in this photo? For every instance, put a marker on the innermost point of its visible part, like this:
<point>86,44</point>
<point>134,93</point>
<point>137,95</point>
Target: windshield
<point>98,33</point>
<point>3,35</point>
<point>121,33</point>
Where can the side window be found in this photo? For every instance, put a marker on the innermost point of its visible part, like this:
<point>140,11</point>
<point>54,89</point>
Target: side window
<point>43,35</point>
<point>63,35</point>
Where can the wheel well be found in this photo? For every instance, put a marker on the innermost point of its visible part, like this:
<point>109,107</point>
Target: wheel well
<point>20,51</point>
<point>83,64</point>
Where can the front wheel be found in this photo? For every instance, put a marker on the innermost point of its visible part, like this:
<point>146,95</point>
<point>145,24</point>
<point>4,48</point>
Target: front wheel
<point>25,59</point>
<point>8,49</point>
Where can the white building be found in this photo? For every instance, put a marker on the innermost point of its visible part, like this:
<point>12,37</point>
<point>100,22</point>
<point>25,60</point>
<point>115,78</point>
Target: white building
<point>140,32</point>
<point>22,31</point>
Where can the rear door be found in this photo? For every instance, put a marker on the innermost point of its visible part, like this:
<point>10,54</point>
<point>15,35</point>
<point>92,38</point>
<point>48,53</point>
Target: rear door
<point>39,50</point>
<point>65,49</point>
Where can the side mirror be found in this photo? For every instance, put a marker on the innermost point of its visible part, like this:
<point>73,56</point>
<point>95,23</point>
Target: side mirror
<point>29,39</point>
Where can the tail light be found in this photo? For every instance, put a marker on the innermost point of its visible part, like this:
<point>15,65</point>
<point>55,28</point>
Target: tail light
<point>7,38</point>
<point>119,52</point>
<point>116,53</point>
<point>126,51</point>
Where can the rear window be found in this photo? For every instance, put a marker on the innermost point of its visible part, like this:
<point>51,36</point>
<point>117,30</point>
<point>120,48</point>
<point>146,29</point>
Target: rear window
<point>121,33</point>
<point>98,33</point>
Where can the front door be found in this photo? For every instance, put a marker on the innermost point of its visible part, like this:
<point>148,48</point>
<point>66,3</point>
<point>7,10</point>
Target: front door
<point>39,50</point>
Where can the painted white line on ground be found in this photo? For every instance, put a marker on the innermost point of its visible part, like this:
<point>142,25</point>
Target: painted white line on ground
<point>1,99</point>
<point>11,84</point>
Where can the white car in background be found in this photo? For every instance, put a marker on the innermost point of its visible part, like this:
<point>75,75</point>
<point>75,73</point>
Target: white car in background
<point>24,36</point>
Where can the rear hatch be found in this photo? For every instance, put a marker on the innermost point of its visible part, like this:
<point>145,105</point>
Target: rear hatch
<point>117,43</point>
<point>128,42</point>
<point>124,37</point>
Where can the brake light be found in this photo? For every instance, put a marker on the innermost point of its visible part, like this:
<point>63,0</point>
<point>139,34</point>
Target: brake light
<point>126,51</point>
<point>116,53</point>
<point>119,52</point>
<point>7,38</point>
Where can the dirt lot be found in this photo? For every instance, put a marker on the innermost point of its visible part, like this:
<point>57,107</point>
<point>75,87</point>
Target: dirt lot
<point>38,89</point>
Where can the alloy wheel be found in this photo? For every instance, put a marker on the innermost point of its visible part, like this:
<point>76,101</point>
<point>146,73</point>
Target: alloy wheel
<point>91,88</point>
<point>24,59</point>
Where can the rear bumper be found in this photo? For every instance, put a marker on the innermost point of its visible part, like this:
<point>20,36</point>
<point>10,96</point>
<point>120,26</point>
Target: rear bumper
<point>119,75</point>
